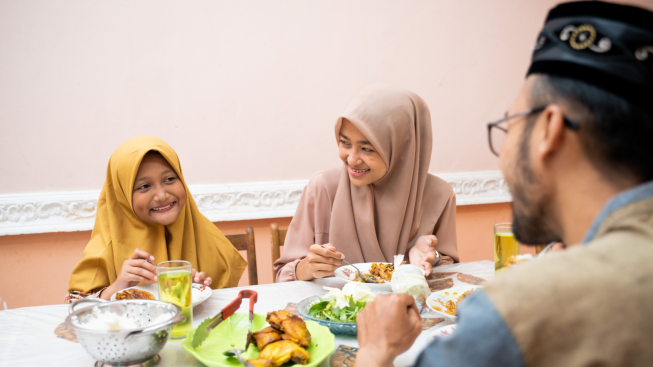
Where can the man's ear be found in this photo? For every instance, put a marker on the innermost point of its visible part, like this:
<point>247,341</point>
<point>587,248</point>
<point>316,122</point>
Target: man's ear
<point>550,132</point>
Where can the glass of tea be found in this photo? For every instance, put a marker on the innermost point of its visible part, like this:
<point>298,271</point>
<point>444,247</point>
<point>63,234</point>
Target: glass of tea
<point>505,245</point>
<point>174,278</point>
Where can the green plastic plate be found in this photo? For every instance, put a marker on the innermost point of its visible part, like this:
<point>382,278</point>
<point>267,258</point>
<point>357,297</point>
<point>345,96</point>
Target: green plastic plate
<point>232,332</point>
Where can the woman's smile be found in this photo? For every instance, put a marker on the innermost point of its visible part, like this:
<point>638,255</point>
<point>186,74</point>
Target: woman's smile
<point>358,172</point>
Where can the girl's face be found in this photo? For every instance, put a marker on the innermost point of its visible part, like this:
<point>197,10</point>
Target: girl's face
<point>363,162</point>
<point>159,194</point>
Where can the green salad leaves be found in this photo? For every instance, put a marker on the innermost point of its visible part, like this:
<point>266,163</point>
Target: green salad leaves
<point>342,305</point>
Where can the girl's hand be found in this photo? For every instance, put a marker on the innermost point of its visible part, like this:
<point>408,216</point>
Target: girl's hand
<point>423,253</point>
<point>320,262</point>
<point>201,278</point>
<point>138,268</point>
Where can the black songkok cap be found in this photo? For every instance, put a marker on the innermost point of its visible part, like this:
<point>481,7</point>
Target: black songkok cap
<point>604,44</point>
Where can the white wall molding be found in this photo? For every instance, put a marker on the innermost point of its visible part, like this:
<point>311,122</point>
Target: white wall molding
<point>75,210</point>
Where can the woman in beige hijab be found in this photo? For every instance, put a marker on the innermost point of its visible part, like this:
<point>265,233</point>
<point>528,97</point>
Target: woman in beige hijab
<point>382,201</point>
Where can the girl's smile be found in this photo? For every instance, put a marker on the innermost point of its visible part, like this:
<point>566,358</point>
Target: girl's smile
<point>164,208</point>
<point>159,195</point>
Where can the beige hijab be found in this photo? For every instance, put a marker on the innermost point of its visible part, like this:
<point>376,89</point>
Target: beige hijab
<point>377,221</point>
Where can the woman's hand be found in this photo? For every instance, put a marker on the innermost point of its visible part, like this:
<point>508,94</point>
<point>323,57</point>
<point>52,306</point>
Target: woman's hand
<point>138,268</point>
<point>201,278</point>
<point>320,262</point>
<point>423,253</point>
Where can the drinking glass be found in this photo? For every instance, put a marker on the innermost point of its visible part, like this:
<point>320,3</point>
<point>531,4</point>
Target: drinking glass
<point>505,245</point>
<point>175,287</point>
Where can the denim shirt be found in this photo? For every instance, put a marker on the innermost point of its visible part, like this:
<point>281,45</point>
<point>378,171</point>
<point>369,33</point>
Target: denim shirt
<point>482,337</point>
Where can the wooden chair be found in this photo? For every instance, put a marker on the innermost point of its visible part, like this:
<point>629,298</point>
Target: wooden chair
<point>278,238</point>
<point>245,242</point>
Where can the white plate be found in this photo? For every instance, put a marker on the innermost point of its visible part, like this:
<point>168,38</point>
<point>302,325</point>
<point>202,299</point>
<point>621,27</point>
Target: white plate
<point>198,296</point>
<point>348,274</point>
<point>446,330</point>
<point>446,295</point>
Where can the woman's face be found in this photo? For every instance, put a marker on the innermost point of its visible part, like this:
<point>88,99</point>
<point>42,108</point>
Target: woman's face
<point>363,162</point>
<point>159,194</point>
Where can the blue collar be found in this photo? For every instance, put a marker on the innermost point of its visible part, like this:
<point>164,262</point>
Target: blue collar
<point>637,193</point>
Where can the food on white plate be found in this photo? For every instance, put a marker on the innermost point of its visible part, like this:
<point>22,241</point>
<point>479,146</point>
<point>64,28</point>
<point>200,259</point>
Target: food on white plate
<point>283,341</point>
<point>134,293</point>
<point>450,305</point>
<point>516,259</point>
<point>380,272</point>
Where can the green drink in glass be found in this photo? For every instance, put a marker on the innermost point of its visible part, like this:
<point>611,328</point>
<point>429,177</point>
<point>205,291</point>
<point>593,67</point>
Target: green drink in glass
<point>505,245</point>
<point>174,278</point>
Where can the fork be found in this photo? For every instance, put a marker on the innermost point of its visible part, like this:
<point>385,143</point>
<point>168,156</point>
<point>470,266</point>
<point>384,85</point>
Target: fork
<point>360,274</point>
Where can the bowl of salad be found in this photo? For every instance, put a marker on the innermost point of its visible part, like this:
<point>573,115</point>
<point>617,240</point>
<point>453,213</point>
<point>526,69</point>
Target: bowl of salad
<point>337,309</point>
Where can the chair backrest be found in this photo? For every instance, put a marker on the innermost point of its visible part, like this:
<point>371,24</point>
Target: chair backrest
<point>278,239</point>
<point>245,242</point>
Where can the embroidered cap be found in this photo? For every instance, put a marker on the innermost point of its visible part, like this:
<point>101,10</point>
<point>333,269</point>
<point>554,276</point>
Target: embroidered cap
<point>604,44</point>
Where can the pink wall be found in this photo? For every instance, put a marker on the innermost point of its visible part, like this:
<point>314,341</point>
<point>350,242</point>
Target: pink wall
<point>253,87</point>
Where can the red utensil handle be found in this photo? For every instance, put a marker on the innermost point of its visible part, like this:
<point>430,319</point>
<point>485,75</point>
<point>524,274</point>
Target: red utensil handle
<point>232,307</point>
<point>252,295</point>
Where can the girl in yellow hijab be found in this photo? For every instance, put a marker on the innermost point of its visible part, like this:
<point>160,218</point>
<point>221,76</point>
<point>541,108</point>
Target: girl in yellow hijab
<point>146,215</point>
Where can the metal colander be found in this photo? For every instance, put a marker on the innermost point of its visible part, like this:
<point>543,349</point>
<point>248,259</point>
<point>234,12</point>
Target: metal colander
<point>124,347</point>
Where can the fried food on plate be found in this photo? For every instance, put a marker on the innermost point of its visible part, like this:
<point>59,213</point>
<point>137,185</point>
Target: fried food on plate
<point>134,294</point>
<point>282,341</point>
<point>283,351</point>
<point>381,272</point>
<point>291,326</point>
<point>266,336</point>
<point>450,306</point>
<point>261,362</point>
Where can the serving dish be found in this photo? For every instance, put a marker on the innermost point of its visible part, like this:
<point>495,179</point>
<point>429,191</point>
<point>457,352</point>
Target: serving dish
<point>232,334</point>
<point>338,328</point>
<point>124,346</point>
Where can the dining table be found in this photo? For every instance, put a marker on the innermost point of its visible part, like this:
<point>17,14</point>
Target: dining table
<point>27,335</point>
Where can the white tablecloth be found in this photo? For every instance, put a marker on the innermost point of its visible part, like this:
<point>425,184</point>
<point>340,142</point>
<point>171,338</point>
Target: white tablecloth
<point>27,334</point>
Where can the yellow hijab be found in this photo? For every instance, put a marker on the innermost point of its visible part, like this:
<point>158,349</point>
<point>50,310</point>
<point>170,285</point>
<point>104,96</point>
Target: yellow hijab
<point>118,230</point>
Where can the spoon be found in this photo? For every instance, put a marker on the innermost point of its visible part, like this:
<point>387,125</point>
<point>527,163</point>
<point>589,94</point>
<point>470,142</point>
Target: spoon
<point>365,278</point>
<point>236,353</point>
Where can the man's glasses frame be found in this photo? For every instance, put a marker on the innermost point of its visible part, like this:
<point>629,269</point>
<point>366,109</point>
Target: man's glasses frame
<point>495,125</point>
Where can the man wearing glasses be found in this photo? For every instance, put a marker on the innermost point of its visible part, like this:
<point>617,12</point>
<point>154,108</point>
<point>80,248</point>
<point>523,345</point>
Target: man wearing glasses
<point>576,150</point>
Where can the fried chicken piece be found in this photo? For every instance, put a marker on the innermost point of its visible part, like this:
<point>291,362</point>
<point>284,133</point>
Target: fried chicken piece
<point>258,362</point>
<point>283,351</point>
<point>292,326</point>
<point>134,294</point>
<point>266,336</point>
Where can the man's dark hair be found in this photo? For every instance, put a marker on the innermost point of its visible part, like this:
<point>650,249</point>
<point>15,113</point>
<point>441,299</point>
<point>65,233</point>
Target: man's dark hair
<point>616,135</point>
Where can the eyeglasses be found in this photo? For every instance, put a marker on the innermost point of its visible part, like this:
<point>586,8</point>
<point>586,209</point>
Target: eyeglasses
<point>497,134</point>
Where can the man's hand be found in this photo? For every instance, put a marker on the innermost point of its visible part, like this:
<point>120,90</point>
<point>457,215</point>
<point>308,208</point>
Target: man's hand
<point>423,253</point>
<point>387,327</point>
<point>320,262</point>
